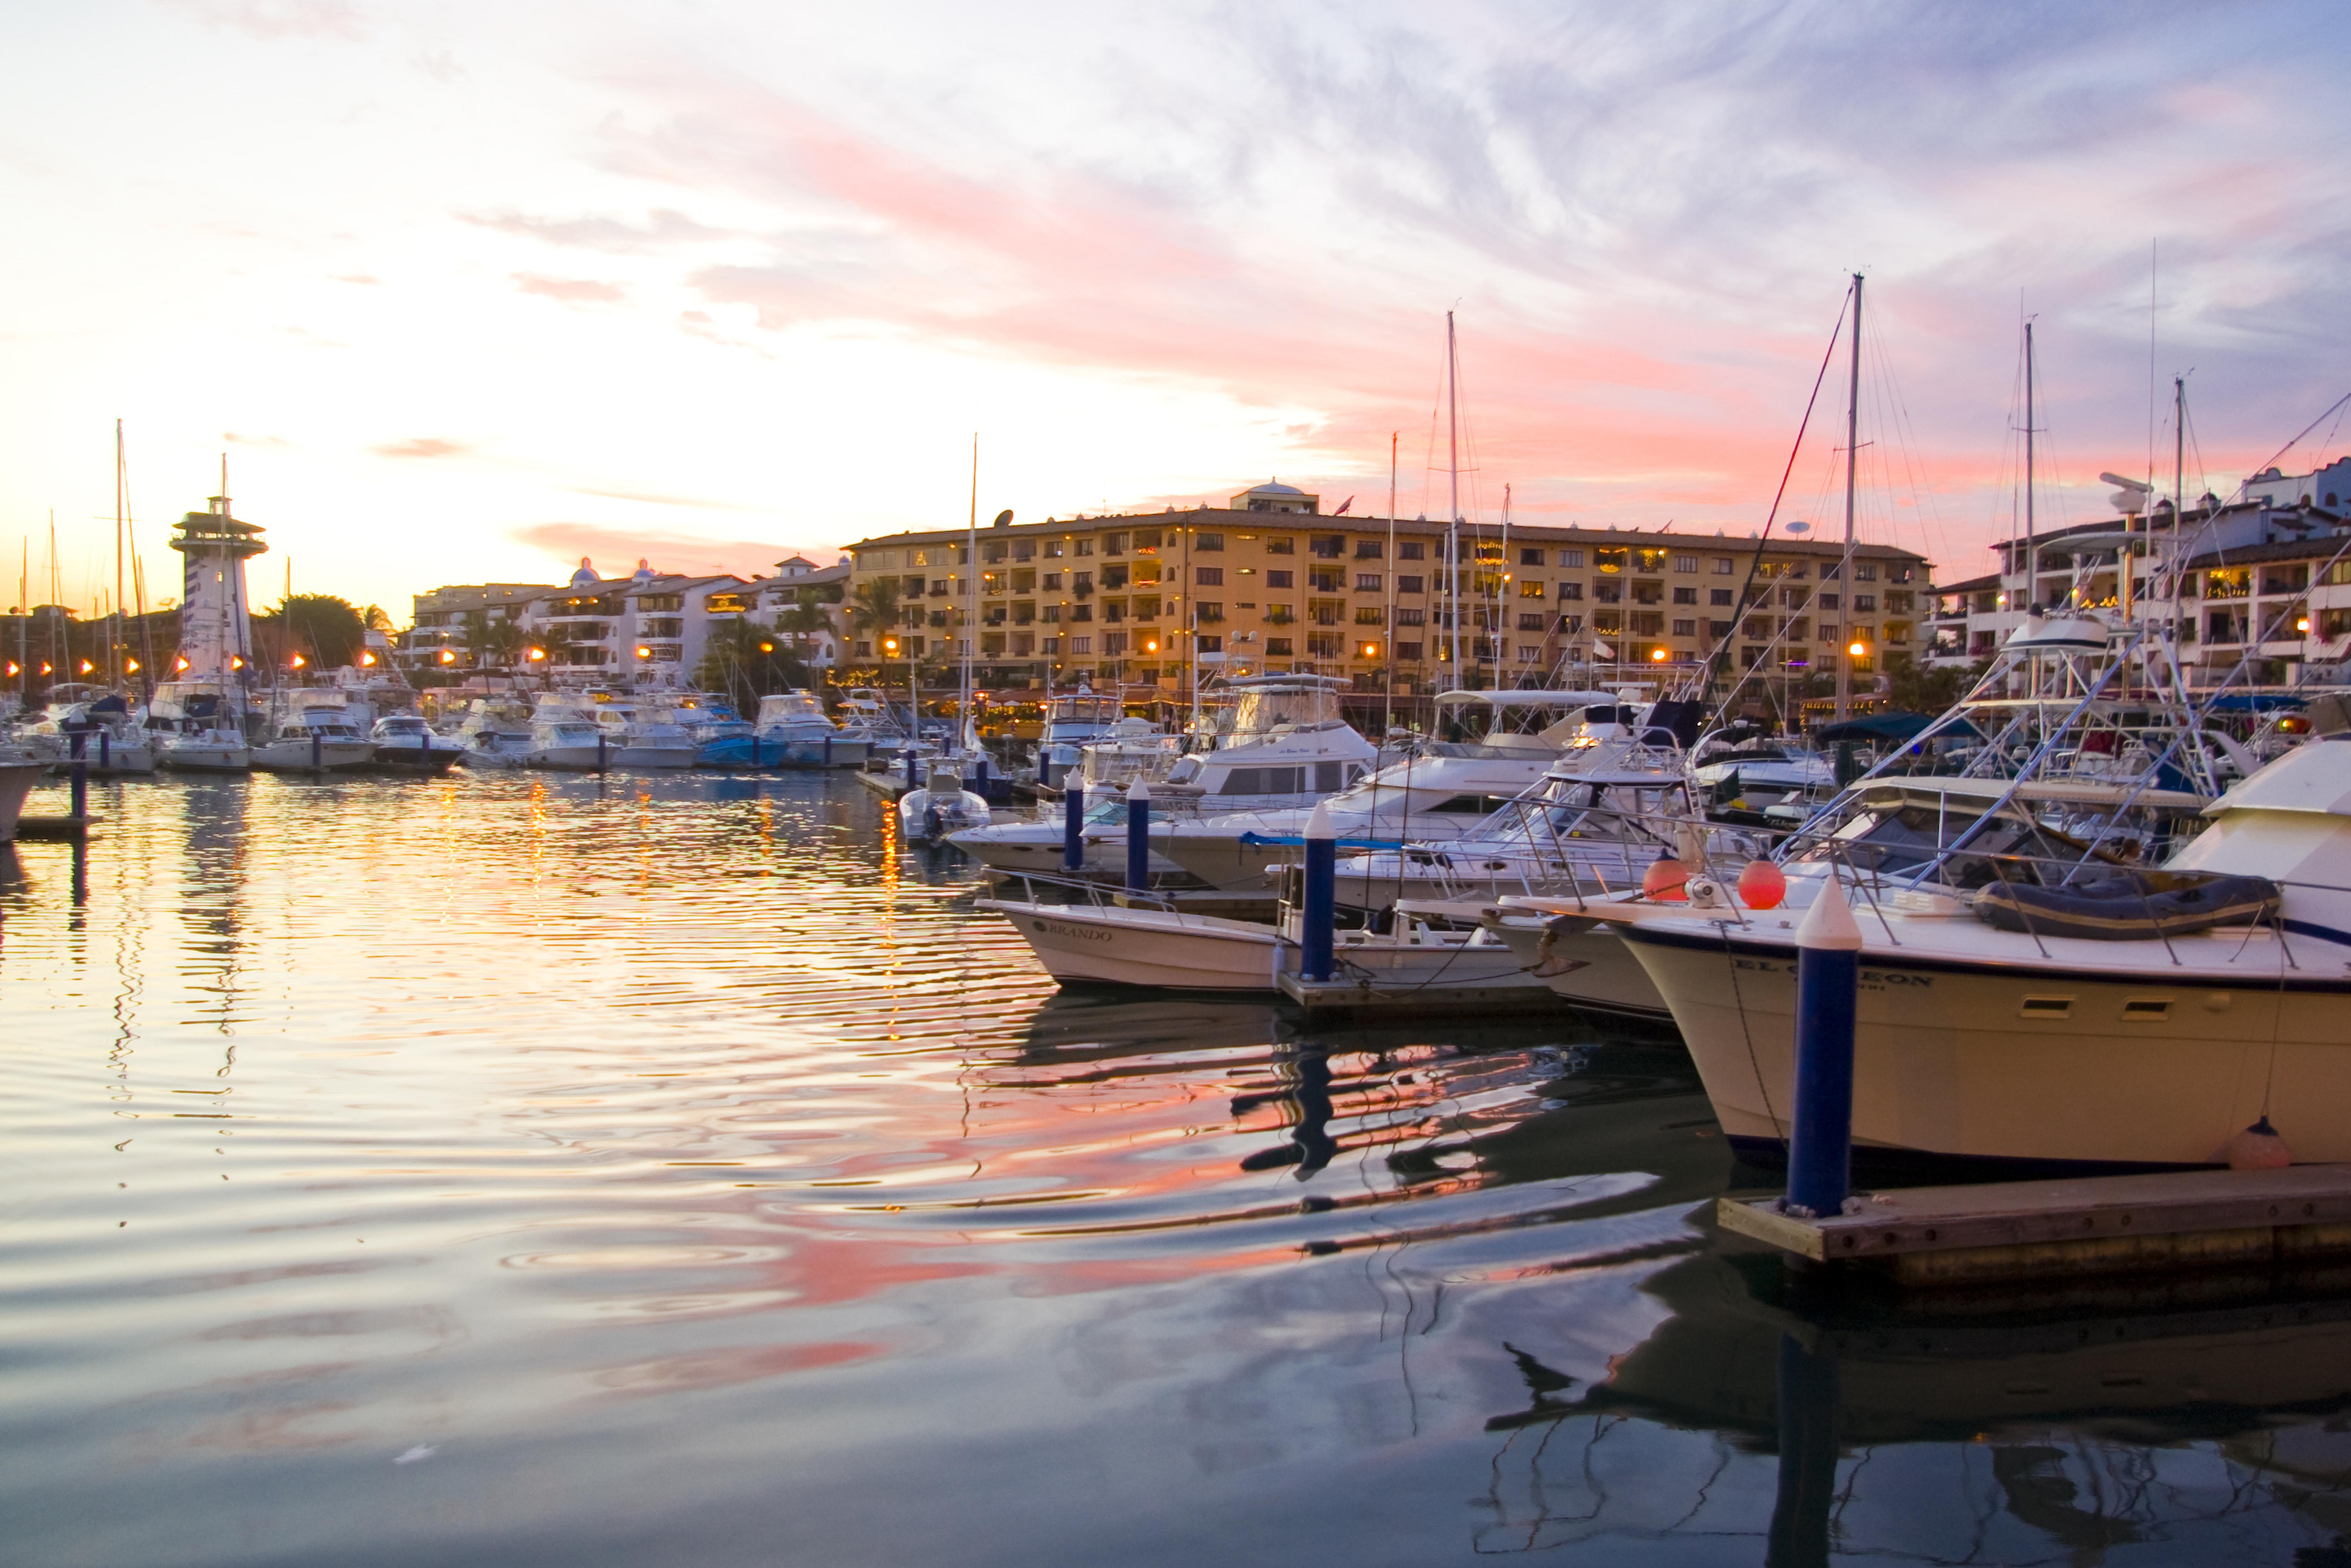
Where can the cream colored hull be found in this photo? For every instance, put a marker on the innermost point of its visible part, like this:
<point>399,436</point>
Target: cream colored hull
<point>1592,969</point>
<point>298,757</point>
<point>17,780</point>
<point>2147,1063</point>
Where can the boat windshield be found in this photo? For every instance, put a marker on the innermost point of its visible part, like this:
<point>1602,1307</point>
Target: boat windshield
<point>1085,710</point>
<point>1901,837</point>
<point>779,707</point>
<point>1264,708</point>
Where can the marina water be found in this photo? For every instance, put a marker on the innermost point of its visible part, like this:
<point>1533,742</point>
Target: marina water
<point>530,1169</point>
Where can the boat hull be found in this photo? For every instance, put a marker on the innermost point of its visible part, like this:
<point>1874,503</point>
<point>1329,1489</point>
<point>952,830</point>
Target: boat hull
<point>205,757</point>
<point>298,757</point>
<point>2076,1062</point>
<point>17,780</point>
<point>1591,969</point>
<point>573,758</point>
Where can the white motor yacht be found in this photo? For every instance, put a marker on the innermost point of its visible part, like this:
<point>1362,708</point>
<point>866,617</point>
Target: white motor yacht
<point>94,724</point>
<point>569,743</point>
<point>1493,747</point>
<point>633,739</point>
<point>795,731</point>
<point>405,744</point>
<point>198,727</point>
<point>1073,721</point>
<point>322,740</point>
<point>942,810</point>
<point>1284,744</point>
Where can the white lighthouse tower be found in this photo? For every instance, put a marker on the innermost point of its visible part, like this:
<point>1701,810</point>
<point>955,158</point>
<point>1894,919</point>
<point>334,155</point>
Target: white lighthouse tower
<point>204,706</point>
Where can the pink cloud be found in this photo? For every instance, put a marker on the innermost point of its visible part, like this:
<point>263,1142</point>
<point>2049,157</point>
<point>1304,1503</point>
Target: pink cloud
<point>617,550</point>
<point>568,290</point>
<point>422,446</point>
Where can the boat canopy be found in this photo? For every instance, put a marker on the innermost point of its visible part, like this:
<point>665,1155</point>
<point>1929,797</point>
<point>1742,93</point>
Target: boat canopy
<point>1895,726</point>
<point>2314,776</point>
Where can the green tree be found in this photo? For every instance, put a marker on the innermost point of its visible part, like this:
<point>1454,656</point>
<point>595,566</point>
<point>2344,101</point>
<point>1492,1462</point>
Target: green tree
<point>747,663</point>
<point>326,630</point>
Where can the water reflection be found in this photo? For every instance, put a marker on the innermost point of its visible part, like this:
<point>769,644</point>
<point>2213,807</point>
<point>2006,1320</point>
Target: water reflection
<point>689,1172</point>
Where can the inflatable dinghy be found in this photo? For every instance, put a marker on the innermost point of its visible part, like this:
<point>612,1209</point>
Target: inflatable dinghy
<point>2129,906</point>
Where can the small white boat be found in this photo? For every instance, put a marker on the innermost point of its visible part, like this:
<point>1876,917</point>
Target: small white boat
<point>93,724</point>
<point>793,730</point>
<point>1109,944</point>
<point>570,745</point>
<point>405,744</point>
<point>202,749</point>
<point>319,742</point>
<point>941,809</point>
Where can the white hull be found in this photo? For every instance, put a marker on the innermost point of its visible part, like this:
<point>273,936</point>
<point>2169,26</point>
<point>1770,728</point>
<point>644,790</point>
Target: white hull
<point>205,756</point>
<point>2101,1054</point>
<point>638,756</point>
<point>572,759</point>
<point>298,757</point>
<point>1169,949</point>
<point>17,780</point>
<point>1591,969</point>
<point>1035,849</point>
<point>114,759</point>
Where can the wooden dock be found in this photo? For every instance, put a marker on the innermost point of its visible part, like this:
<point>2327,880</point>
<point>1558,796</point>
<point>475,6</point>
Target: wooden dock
<point>2150,1223</point>
<point>59,828</point>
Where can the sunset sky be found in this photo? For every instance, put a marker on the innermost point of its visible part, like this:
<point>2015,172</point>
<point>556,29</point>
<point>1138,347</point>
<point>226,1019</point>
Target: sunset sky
<point>465,292</point>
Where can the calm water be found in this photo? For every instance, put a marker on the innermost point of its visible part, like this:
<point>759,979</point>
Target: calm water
<point>540,1170</point>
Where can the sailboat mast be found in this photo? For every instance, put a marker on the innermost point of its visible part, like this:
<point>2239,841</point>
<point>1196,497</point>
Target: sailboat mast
<point>1388,708</point>
<point>1844,563</point>
<point>1501,601</point>
<point>118,525</point>
<point>2179,446</point>
<point>1453,510</point>
<point>2032,547</point>
<point>970,602</point>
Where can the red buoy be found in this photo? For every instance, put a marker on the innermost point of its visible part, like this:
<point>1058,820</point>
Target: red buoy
<point>1762,885</point>
<point>1663,880</point>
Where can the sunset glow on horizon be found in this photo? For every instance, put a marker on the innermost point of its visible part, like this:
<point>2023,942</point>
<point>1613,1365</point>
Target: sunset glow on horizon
<point>466,295</point>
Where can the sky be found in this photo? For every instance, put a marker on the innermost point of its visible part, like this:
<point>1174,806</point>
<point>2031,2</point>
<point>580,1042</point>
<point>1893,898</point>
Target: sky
<point>466,293</point>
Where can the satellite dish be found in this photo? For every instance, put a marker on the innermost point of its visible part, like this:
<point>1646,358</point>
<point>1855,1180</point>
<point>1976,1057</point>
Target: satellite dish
<point>1799,528</point>
<point>1004,518</point>
<point>2119,482</point>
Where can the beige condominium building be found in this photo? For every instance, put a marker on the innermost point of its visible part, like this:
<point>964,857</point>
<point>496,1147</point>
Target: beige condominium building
<point>1270,584</point>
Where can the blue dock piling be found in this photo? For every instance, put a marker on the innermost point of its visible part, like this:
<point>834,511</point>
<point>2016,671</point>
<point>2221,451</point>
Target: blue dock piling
<point>1138,837</point>
<point>80,787</point>
<point>827,750</point>
<point>910,768</point>
<point>599,752</point>
<point>1318,909</point>
<point>318,760</point>
<point>105,751</point>
<point>1074,829</point>
<point>1828,979</point>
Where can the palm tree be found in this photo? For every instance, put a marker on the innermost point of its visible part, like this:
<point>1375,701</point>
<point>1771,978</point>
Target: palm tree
<point>873,610</point>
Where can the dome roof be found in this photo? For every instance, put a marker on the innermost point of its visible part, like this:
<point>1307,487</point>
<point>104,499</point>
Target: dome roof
<point>1275,487</point>
<point>585,577</point>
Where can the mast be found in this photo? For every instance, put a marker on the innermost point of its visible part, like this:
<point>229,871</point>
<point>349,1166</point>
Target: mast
<point>2032,545</point>
<point>1844,563</point>
<point>1387,712</point>
<point>119,527</point>
<point>2178,447</point>
<point>970,605</point>
<point>1453,511</point>
<point>146,643</point>
<point>1501,601</point>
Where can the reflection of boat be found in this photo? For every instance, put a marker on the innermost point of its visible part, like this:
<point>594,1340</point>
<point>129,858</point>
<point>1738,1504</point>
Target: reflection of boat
<point>2005,1400</point>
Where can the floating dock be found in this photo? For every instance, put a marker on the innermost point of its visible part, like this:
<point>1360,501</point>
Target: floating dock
<point>1356,998</point>
<point>56,828</point>
<point>2081,1225</point>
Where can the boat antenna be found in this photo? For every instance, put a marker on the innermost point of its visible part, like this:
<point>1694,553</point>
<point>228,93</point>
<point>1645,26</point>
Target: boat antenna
<point>118,525</point>
<point>970,607</point>
<point>1845,562</point>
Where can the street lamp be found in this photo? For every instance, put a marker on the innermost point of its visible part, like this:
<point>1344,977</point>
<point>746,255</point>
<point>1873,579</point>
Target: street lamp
<point>1858,650</point>
<point>1656,656</point>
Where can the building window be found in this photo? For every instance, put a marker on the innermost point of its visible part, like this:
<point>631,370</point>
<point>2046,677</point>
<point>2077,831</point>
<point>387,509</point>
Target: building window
<point>1536,622</point>
<point>1208,541</point>
<point>1412,617</point>
<point>1278,647</point>
<point>1684,563</point>
<point>1719,598</point>
<point>1114,642</point>
<point>1412,550</point>
<point>1367,582</point>
<point>1330,546</point>
<point>1684,595</point>
<point>1531,589</point>
<point>1367,549</point>
<point>1722,565</point>
<point>1081,645</point>
<point>1409,652</point>
<point>1410,585</point>
<point>1280,547</point>
<point>1828,601</point>
<point>864,651</point>
<point>1369,615</point>
<point>1570,593</point>
<point>1530,557</point>
<point>1323,645</point>
<point>1212,644</point>
<point>1208,611</point>
<point>1864,604</point>
<point>1865,571</point>
<point>1571,557</point>
<point>1278,578</point>
<point>1685,628</point>
<point>1208,576</point>
<point>1113,544</point>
